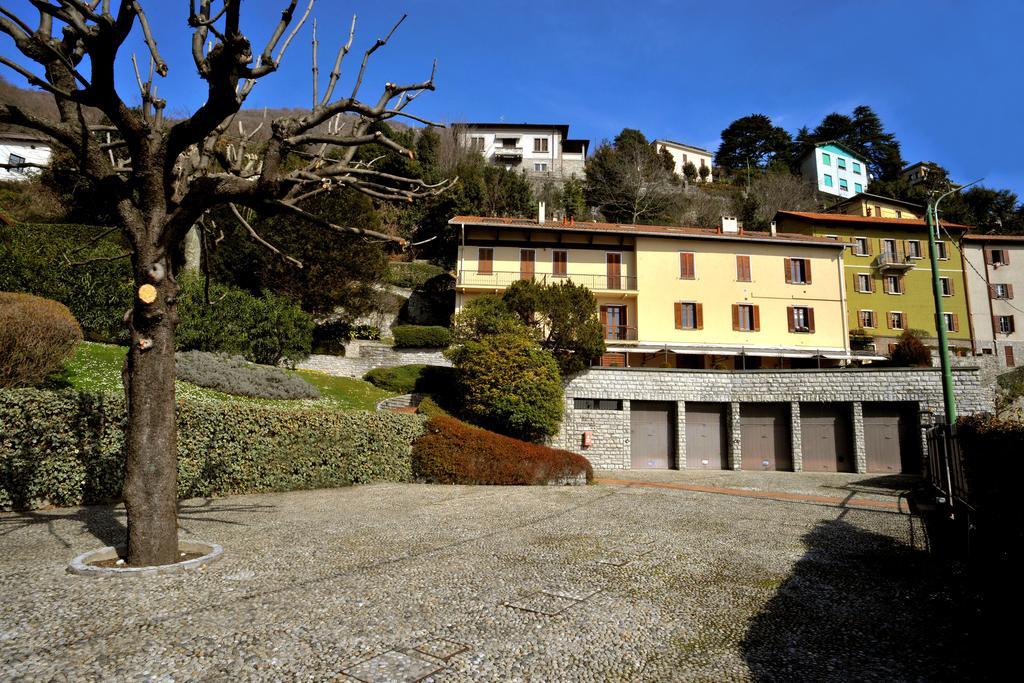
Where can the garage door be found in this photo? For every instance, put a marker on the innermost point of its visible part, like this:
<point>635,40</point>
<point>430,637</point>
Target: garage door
<point>651,429</point>
<point>765,436</point>
<point>891,441</point>
<point>826,437</point>
<point>705,436</point>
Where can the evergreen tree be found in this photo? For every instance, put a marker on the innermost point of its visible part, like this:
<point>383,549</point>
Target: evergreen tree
<point>752,140</point>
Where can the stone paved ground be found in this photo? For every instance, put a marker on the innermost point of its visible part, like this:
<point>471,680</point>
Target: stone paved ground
<point>474,583</point>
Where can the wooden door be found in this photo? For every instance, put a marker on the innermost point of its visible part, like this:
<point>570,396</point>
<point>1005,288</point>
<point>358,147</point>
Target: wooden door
<point>527,263</point>
<point>706,446</point>
<point>615,323</point>
<point>651,430</point>
<point>764,435</point>
<point>826,437</point>
<point>614,268</point>
<point>1009,356</point>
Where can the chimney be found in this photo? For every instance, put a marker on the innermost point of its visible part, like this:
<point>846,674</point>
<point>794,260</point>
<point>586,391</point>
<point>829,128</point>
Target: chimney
<point>540,212</point>
<point>773,228</point>
<point>730,224</point>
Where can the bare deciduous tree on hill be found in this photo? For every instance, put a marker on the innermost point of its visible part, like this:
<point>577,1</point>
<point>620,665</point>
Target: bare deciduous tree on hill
<point>163,176</point>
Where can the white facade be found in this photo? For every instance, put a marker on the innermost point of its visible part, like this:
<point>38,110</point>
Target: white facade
<point>994,273</point>
<point>681,154</point>
<point>19,148</point>
<point>835,170</point>
<point>542,151</point>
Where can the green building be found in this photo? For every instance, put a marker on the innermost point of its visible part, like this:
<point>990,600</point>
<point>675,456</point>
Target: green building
<point>888,275</point>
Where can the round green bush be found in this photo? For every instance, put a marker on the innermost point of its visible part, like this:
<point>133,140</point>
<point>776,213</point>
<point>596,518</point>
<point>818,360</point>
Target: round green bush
<point>421,337</point>
<point>36,336</point>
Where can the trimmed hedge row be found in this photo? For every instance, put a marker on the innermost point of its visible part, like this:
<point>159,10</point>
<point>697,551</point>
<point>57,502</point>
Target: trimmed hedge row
<point>67,448</point>
<point>406,379</point>
<point>421,337</point>
<point>453,452</point>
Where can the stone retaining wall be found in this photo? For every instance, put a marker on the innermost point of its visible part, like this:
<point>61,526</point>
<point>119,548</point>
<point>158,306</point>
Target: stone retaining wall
<point>611,428</point>
<point>363,356</point>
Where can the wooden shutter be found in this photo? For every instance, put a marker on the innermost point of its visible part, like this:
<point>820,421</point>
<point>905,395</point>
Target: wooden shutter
<point>992,292</point>
<point>686,265</point>
<point>988,256</point>
<point>485,262</point>
<point>790,315</point>
<point>757,318</point>
<point>735,316</point>
<point>871,284</point>
<point>700,316</point>
<point>1006,257</point>
<point>956,323</point>
<point>952,290</point>
<point>807,269</point>
<point>743,268</point>
<point>810,320</point>
<point>788,263</point>
<point>1013,325</point>
<point>1009,291</point>
<point>679,315</point>
<point>888,320</point>
<point>995,324</point>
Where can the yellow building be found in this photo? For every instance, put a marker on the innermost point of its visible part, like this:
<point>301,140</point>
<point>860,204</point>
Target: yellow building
<point>674,296</point>
<point>888,274</point>
<point>876,206</point>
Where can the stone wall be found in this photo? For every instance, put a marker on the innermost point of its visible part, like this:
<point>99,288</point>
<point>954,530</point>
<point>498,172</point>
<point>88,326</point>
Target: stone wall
<point>611,428</point>
<point>363,356</point>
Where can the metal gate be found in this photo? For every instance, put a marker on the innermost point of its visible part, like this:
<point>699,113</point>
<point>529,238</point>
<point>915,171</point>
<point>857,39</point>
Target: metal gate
<point>826,437</point>
<point>706,445</point>
<point>764,436</point>
<point>891,442</point>
<point>651,430</point>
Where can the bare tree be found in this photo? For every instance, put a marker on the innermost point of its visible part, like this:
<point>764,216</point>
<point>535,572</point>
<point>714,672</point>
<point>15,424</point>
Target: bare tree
<point>163,176</point>
<point>629,182</point>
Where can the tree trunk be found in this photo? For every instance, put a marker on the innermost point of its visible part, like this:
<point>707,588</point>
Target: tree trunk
<point>150,485</point>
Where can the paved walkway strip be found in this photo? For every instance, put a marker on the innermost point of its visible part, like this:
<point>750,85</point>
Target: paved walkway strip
<point>847,502</point>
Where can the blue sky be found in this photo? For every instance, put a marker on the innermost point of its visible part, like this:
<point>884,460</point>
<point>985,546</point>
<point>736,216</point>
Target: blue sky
<point>944,75</point>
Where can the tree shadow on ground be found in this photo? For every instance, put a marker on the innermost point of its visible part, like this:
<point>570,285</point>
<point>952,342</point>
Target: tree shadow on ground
<point>861,606</point>
<point>107,523</point>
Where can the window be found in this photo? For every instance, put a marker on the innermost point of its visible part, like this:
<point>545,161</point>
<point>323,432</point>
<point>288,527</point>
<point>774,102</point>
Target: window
<point>946,284</point>
<point>856,169</point>
<point>540,145</point>
<point>686,267</point>
<point>899,214</point>
<point>1001,291</point>
<point>843,185</point>
<point>998,257</point>
<point>866,318</point>
<point>893,284</point>
<point>878,211</point>
<point>940,249</point>
<point>834,238</point>
<point>1004,324</point>
<point>841,162</point>
<point>801,318</point>
<point>742,268</point>
<point>689,315</point>
<point>861,246</point>
<point>15,160</point>
<point>914,249</point>
<point>864,283</point>
<point>828,180</point>
<point>952,325</point>
<point>798,271</point>
<point>559,263</point>
<point>596,404</point>
<point>889,247</point>
<point>826,159</point>
<point>746,318</point>
<point>858,188</point>
<point>540,166</point>
<point>896,320</point>
<point>485,261</point>
<point>476,144</point>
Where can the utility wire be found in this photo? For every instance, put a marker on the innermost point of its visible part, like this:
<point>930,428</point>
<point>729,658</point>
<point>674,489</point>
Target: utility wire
<point>963,258</point>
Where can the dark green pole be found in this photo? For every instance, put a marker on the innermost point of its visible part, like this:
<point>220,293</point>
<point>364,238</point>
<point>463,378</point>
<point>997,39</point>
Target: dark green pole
<point>948,398</point>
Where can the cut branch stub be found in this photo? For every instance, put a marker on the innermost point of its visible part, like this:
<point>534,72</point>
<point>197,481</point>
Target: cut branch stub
<point>147,294</point>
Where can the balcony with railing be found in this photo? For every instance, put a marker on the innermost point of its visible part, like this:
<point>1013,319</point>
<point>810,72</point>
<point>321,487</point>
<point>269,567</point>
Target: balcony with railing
<point>893,260</point>
<point>508,152</point>
<point>502,279</point>
<point>618,333</point>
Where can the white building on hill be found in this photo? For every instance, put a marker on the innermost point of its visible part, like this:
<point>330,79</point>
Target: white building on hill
<point>21,155</point>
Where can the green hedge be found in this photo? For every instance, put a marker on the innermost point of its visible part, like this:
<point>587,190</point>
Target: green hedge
<point>421,337</point>
<point>406,379</point>
<point>67,448</point>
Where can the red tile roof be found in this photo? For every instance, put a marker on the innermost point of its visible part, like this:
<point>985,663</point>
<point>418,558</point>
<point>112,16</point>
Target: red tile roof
<point>876,220</point>
<point>993,238</point>
<point>645,230</point>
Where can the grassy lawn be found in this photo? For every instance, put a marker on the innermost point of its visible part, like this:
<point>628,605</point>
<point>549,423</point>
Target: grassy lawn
<point>97,367</point>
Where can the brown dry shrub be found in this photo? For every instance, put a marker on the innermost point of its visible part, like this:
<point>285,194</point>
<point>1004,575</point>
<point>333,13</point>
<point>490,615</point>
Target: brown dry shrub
<point>453,452</point>
<point>36,336</point>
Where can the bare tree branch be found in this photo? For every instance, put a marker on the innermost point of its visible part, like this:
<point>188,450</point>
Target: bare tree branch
<point>259,240</point>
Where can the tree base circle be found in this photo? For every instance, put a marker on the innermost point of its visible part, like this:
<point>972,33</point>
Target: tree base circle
<point>93,563</point>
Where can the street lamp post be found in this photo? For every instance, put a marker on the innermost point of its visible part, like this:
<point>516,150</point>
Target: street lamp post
<point>932,217</point>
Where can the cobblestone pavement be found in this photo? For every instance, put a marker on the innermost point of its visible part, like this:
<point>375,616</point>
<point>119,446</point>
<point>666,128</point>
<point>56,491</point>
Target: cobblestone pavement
<point>400,582</point>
